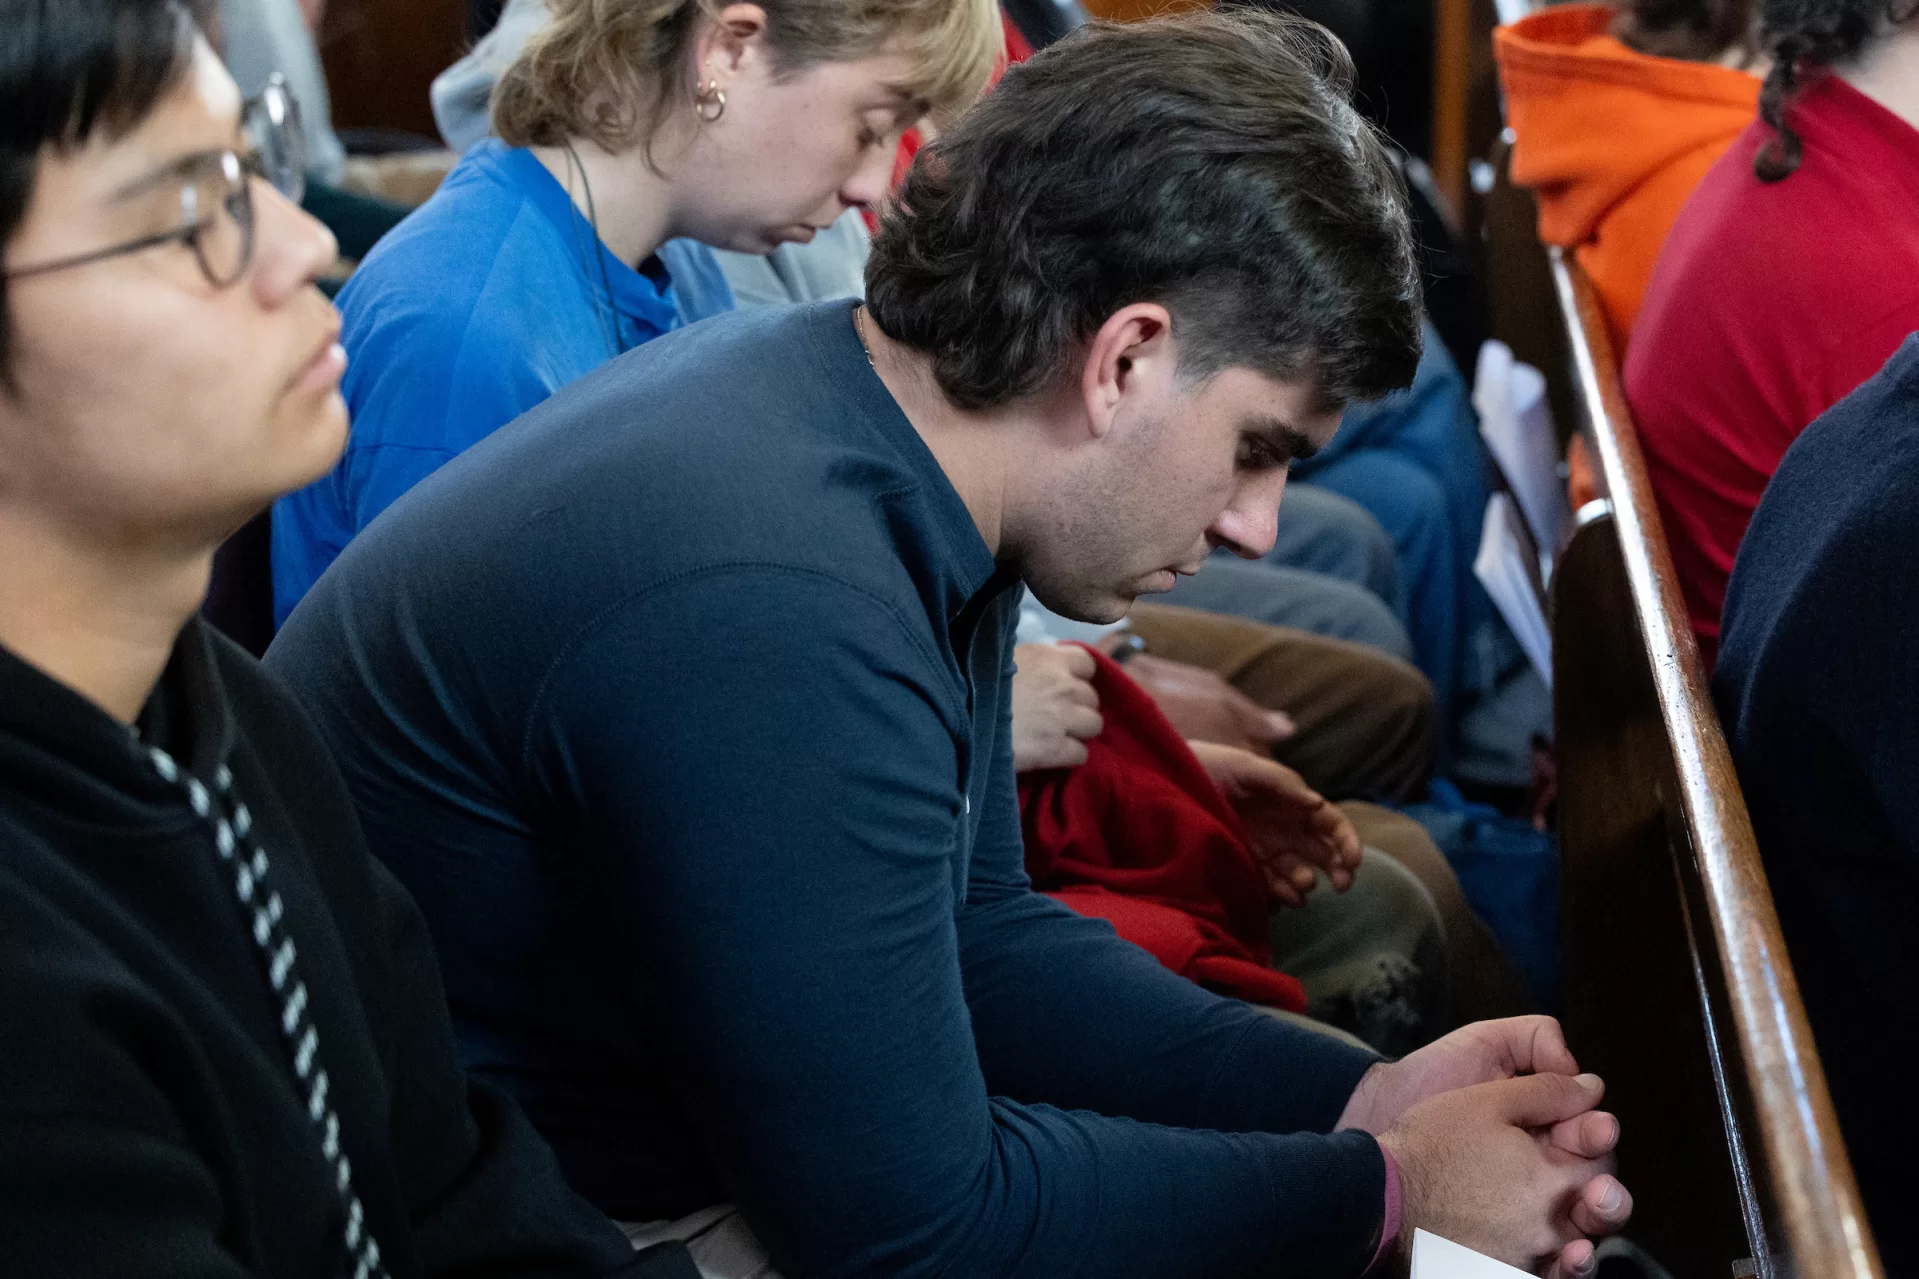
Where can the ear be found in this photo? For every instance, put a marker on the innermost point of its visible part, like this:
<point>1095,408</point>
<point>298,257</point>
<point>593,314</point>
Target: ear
<point>724,44</point>
<point>1132,354</point>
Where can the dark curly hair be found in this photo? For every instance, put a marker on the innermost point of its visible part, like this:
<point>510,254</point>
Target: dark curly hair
<point>1694,30</point>
<point>1209,162</point>
<point>1804,36</point>
<point>71,70</point>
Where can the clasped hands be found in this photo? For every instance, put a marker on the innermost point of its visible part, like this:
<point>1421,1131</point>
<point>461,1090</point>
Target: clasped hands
<point>1500,1145</point>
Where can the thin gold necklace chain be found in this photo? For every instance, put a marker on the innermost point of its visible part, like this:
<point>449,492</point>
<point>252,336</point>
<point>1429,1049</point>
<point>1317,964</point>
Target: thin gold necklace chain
<point>859,331</point>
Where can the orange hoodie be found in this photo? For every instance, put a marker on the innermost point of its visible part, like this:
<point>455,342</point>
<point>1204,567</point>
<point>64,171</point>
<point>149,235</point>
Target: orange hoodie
<point>1612,141</point>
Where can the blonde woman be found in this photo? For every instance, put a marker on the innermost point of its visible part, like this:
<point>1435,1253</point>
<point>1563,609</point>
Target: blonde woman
<point>623,124</point>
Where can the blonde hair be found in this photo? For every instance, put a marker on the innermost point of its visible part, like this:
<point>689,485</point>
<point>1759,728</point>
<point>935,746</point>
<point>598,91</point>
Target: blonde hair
<point>614,71</point>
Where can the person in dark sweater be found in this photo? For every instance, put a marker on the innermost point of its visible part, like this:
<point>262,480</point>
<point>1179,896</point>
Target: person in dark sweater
<point>755,931</point>
<point>226,1047</point>
<point>1815,684</point>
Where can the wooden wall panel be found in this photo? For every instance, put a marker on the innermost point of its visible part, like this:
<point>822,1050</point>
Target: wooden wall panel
<point>381,57</point>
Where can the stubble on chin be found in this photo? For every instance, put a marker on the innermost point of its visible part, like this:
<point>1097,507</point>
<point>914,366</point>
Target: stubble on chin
<point>1085,605</point>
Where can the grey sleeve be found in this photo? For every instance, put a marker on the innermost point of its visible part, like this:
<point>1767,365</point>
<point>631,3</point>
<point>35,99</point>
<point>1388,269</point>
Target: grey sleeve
<point>463,93</point>
<point>264,36</point>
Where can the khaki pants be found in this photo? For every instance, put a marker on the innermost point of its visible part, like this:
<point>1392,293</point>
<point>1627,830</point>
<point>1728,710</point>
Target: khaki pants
<point>1365,719</point>
<point>1399,958</point>
<point>1374,959</point>
<point>1485,984</point>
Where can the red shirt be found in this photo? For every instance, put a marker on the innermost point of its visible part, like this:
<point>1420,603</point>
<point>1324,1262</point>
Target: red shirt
<point>1770,302</point>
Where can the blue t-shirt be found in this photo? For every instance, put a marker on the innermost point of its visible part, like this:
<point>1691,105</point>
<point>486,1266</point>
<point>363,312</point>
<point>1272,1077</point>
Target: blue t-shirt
<point>683,709</point>
<point>490,297</point>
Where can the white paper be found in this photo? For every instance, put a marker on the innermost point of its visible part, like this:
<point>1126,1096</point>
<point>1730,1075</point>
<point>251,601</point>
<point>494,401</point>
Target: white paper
<point>1517,425</point>
<point>1511,11</point>
<point>1438,1258</point>
<point>1511,576</point>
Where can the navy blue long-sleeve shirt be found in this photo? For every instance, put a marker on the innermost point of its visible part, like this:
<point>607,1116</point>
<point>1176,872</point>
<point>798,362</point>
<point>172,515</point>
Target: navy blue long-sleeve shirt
<point>1818,686</point>
<point>682,706</point>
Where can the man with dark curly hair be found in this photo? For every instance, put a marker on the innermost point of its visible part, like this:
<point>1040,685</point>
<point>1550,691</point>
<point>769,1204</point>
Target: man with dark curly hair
<point>681,705</point>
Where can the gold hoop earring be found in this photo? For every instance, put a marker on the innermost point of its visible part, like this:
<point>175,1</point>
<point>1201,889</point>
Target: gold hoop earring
<point>710,101</point>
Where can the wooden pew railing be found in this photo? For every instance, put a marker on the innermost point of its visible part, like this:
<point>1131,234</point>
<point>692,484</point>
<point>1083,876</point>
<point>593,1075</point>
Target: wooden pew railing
<point>1678,989</point>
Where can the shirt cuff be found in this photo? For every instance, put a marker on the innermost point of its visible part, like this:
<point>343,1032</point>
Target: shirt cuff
<point>1390,1223</point>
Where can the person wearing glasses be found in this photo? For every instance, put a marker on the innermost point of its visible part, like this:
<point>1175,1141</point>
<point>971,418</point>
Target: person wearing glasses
<point>623,126</point>
<point>226,1048</point>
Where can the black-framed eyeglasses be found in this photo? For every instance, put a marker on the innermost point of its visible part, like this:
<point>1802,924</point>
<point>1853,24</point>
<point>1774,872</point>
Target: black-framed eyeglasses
<point>216,193</point>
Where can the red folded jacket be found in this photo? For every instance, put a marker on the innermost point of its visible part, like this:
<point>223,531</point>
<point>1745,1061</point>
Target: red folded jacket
<point>1139,836</point>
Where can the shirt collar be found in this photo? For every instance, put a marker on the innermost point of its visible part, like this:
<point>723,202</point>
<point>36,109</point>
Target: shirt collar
<point>964,569</point>
<point>645,295</point>
<point>60,737</point>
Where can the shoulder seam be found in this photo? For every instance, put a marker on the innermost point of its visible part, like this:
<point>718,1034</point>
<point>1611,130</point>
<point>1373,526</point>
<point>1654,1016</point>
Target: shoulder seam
<point>585,632</point>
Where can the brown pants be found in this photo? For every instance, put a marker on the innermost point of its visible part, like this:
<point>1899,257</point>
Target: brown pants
<point>1365,720</point>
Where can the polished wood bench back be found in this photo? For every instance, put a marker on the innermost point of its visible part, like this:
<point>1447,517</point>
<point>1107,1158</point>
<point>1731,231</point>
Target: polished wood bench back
<point>1678,987</point>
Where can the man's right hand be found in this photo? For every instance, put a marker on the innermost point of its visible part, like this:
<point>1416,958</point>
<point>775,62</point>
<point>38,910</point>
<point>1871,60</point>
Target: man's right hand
<point>1492,1167</point>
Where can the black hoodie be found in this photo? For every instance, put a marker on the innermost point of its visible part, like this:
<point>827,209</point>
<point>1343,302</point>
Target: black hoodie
<point>149,1119</point>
